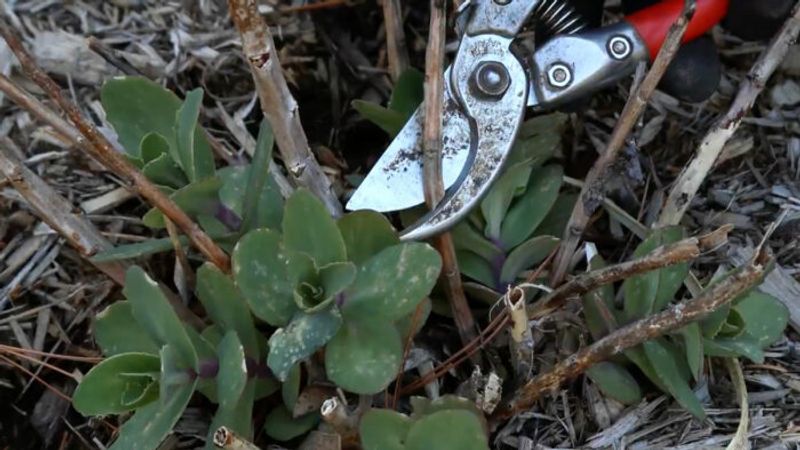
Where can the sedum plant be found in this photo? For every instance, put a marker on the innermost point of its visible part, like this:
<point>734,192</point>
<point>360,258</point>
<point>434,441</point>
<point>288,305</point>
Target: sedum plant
<point>449,422</point>
<point>516,224</point>
<point>672,362</point>
<point>346,287</point>
<point>160,135</point>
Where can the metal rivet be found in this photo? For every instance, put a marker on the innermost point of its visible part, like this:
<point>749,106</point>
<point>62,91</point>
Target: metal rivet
<point>559,75</point>
<point>502,2</point>
<point>491,78</point>
<point>619,47</point>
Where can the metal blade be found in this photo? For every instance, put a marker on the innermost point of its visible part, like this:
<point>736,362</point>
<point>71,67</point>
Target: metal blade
<point>395,182</point>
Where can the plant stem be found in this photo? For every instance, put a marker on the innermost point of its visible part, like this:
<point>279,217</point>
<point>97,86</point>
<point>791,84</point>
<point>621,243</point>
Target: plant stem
<point>101,149</point>
<point>674,317</point>
<point>278,104</point>
<point>395,37</point>
<point>595,179</point>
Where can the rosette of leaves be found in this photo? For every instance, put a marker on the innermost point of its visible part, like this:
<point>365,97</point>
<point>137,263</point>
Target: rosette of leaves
<point>447,423</point>
<point>743,328</point>
<point>518,220</point>
<point>347,285</point>
<point>155,362</point>
<point>516,224</point>
<point>160,135</point>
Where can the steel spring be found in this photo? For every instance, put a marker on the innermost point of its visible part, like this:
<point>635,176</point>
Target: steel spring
<point>559,17</point>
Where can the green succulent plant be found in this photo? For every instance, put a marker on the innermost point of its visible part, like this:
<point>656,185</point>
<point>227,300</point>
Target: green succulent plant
<point>672,362</point>
<point>447,423</point>
<point>160,135</point>
<point>348,286</point>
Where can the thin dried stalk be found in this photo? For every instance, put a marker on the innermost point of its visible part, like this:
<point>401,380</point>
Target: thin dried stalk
<point>101,149</point>
<point>59,214</point>
<point>678,252</point>
<point>674,317</point>
<point>26,101</point>
<point>634,107</point>
<point>396,51</point>
<point>224,438</point>
<point>278,104</point>
<point>432,168</point>
<point>693,175</point>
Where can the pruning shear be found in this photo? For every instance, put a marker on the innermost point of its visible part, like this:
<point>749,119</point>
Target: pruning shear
<point>490,84</point>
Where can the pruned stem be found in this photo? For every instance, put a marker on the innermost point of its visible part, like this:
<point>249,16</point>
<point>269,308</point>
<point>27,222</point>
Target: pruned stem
<point>94,143</point>
<point>634,107</point>
<point>432,168</point>
<point>278,104</point>
<point>396,51</point>
<point>674,317</point>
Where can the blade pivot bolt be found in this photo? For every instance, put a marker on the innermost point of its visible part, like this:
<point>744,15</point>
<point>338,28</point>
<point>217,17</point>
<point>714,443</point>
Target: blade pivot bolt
<point>619,47</point>
<point>559,75</point>
<point>491,79</point>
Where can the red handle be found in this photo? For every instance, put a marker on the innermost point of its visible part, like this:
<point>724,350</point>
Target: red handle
<point>653,23</point>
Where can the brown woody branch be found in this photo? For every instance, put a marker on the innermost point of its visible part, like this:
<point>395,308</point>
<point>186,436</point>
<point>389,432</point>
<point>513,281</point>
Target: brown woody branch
<point>94,143</point>
<point>432,168</point>
<point>395,37</point>
<point>636,333</point>
<point>278,104</point>
<point>678,252</point>
<point>634,107</point>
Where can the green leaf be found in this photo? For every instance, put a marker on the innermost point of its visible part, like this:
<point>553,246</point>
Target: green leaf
<point>598,305</point>
<point>151,424</point>
<point>616,382</point>
<point>281,426</point>
<point>365,233</point>
<point>652,291</point>
<point>226,306</point>
<point>668,372</point>
<point>258,175</point>
<point>765,317</point>
<point>237,417</point>
<point>335,278</point>
<point>136,107</point>
<point>449,430</point>
<point>744,345</point>
<point>476,268</point>
<point>387,119</point>
<point>304,335</point>
<point>269,208</point>
<point>164,172</point>
<point>693,346</point>
<point>363,358</point>
<point>392,283</point>
<point>465,237</point>
<point>309,228</point>
<point>153,312</point>
<point>232,374</point>
<point>405,324</point>
<point>145,248</point>
<point>495,205</point>
<point>152,146</point>
<point>384,429</point>
<point>194,157</point>
<point>260,270</point>
<point>526,256</point>
<point>552,123</point>
<point>200,197</point>
<point>528,211</point>
<point>102,388</point>
<point>290,389</point>
<point>116,331</point>
<point>556,220</point>
<point>712,324</point>
<point>534,150</point>
<point>408,92</point>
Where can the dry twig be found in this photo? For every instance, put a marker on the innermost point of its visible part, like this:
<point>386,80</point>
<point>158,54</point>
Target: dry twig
<point>678,252</point>
<point>101,149</point>
<point>638,332</point>
<point>689,181</point>
<point>634,107</point>
<point>432,168</point>
<point>395,37</point>
<point>278,104</point>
